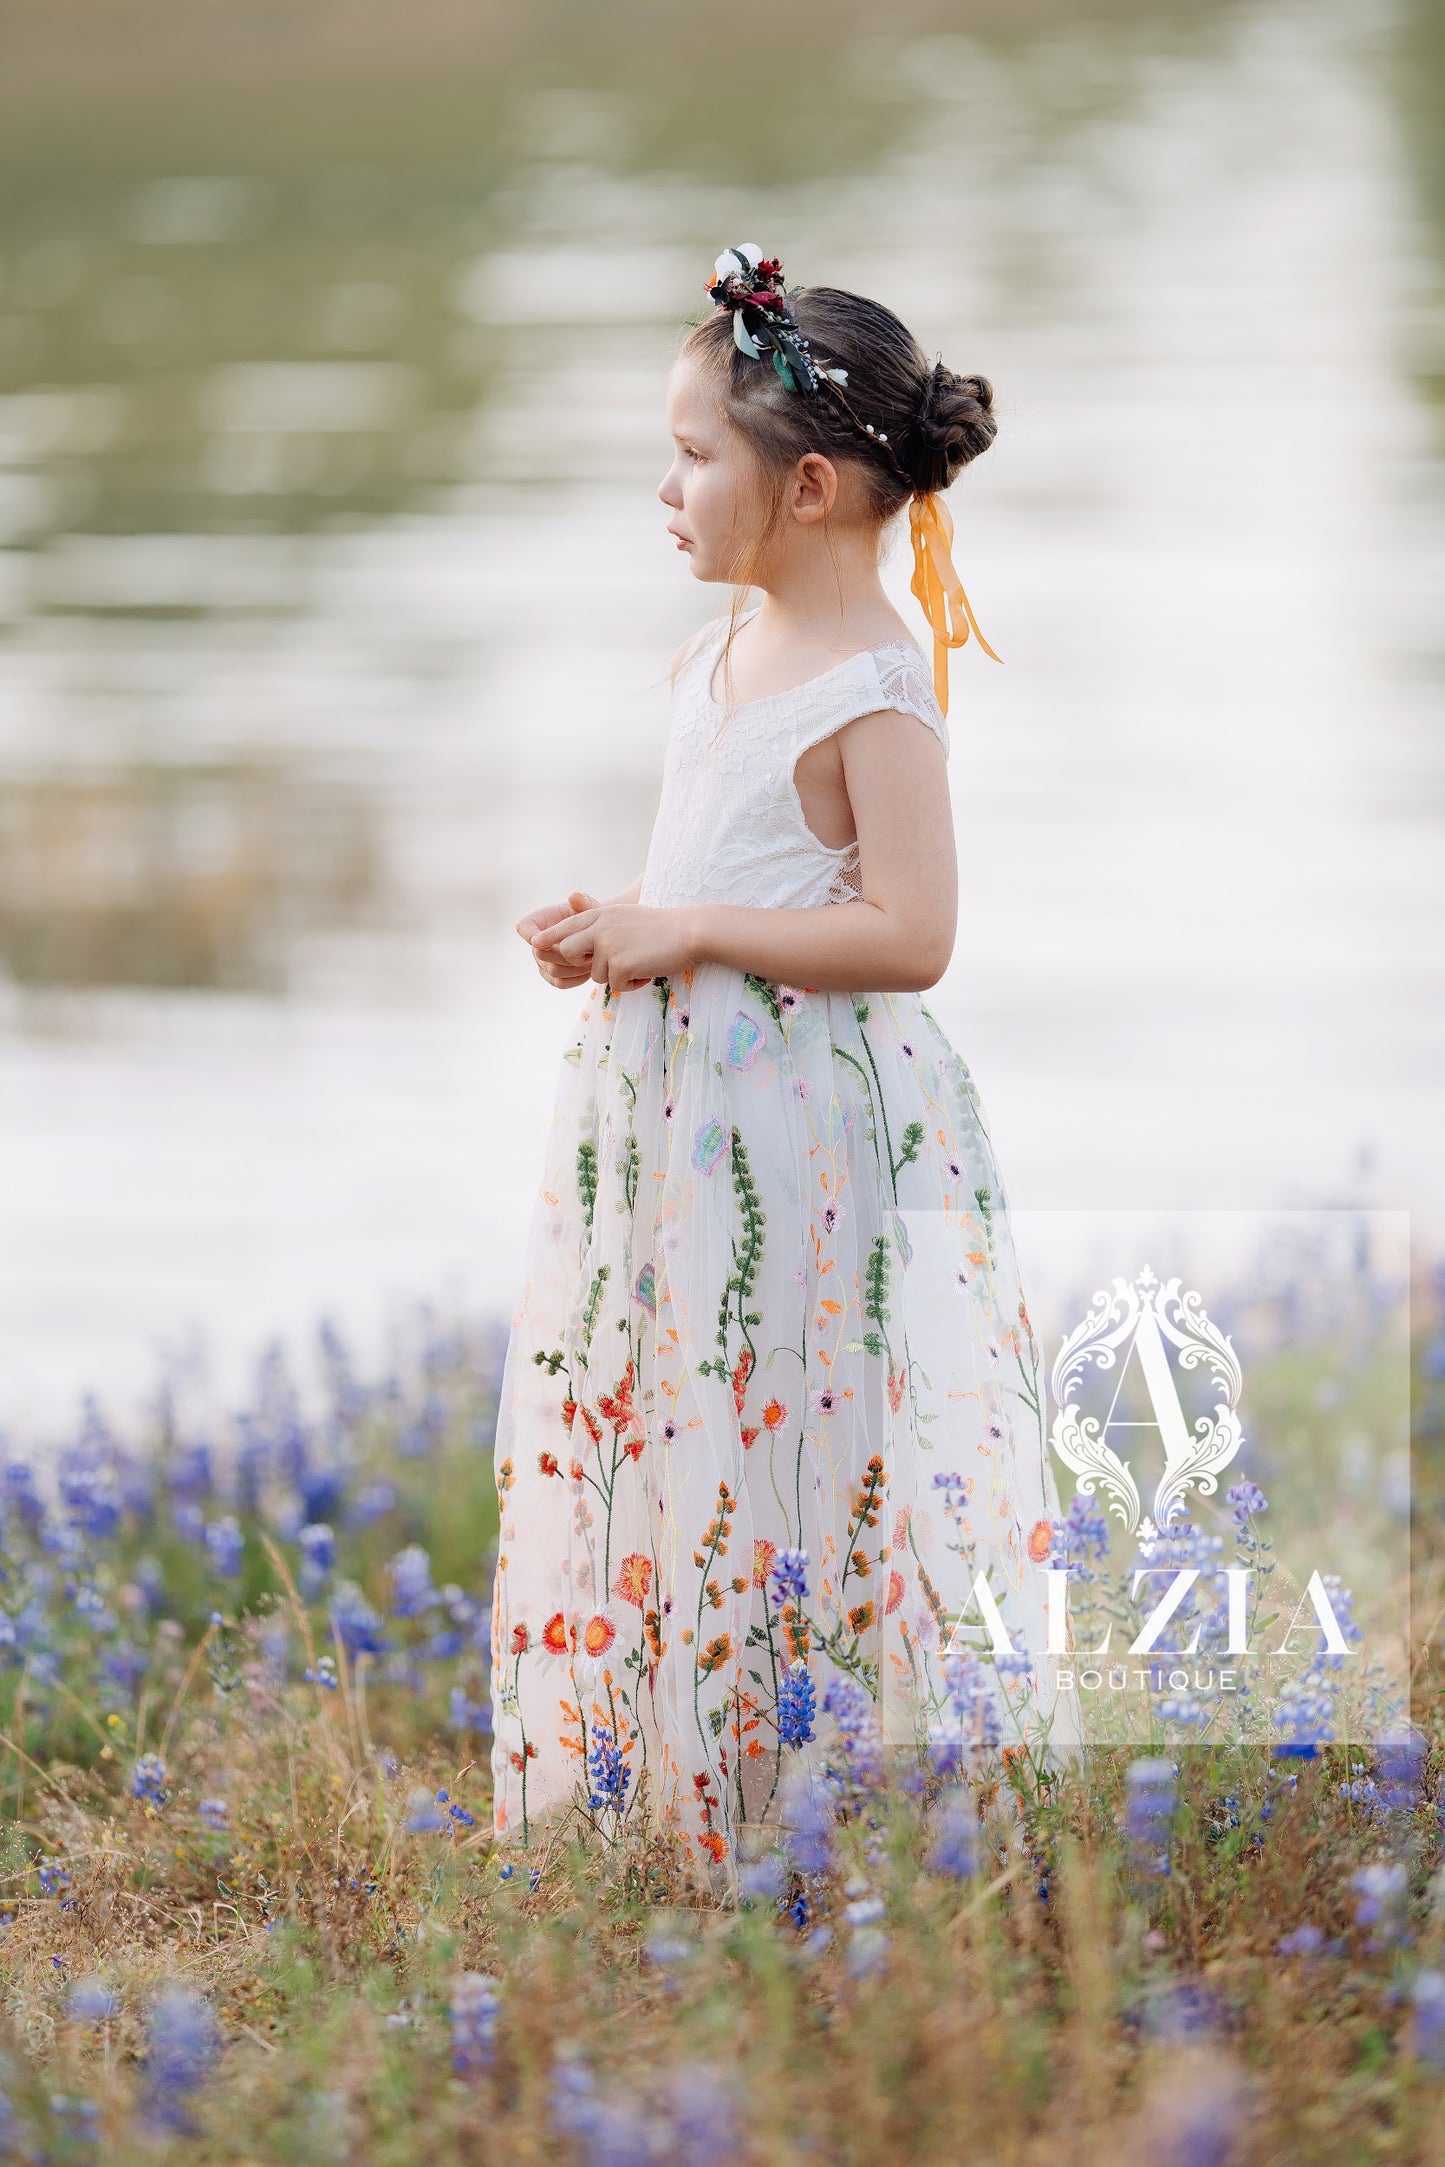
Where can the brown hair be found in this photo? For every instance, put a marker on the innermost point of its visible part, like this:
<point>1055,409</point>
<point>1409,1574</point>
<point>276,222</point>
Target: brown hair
<point>927,423</point>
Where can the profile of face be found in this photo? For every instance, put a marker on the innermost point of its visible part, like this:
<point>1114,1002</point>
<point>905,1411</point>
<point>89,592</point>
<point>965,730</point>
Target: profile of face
<point>717,493</point>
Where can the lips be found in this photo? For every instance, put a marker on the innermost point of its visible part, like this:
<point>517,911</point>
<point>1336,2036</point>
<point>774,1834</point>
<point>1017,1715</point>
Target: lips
<point>682,540</point>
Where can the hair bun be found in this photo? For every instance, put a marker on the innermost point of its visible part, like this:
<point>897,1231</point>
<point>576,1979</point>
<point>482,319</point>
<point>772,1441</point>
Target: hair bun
<point>955,423</point>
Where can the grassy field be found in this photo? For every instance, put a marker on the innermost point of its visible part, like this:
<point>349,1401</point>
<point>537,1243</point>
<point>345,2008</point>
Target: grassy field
<point>251,1908</point>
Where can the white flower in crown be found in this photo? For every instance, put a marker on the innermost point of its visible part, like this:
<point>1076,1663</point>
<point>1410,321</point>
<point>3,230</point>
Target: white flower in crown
<point>737,262</point>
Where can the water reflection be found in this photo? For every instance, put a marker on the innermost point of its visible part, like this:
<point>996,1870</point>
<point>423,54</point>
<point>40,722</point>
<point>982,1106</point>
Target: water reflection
<point>334,609</point>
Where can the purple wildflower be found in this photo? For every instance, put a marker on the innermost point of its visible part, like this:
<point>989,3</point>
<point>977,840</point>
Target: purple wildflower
<point>183,2041</point>
<point>473,2010</point>
<point>797,1705</point>
<point>1149,1814</point>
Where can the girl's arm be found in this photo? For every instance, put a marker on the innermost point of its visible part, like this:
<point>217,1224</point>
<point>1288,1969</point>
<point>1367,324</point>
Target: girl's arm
<point>897,938</point>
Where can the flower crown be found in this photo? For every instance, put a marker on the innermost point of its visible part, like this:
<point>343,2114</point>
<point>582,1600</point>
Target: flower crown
<point>750,286</point>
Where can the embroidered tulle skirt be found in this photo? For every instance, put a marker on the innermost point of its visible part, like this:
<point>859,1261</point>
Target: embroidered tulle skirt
<point>771,1306</point>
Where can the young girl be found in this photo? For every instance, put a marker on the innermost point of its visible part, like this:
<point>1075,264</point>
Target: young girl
<point>771,1403</point>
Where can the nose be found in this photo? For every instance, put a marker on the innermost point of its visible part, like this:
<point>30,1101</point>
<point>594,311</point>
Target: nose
<point>668,491</point>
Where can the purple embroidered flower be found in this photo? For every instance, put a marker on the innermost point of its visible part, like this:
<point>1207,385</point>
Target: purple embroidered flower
<point>906,1050</point>
<point>955,1169</point>
<point>788,998</point>
<point>669,1432</point>
<point>669,1108</point>
<point>830,1216</point>
<point>825,1402</point>
<point>708,1146</point>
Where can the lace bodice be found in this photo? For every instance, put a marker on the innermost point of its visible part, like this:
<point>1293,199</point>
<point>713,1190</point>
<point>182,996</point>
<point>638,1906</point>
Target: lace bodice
<point>730,825</point>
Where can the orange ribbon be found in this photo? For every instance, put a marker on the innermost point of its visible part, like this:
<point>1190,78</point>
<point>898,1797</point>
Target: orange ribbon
<point>939,588</point>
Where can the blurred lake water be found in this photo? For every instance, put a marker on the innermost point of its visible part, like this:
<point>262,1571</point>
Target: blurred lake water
<point>336,606</point>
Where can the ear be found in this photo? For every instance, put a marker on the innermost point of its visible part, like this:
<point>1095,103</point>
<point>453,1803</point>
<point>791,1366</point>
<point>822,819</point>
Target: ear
<point>815,488</point>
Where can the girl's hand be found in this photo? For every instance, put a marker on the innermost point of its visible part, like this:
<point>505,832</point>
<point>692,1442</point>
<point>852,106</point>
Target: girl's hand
<point>623,945</point>
<point>555,969</point>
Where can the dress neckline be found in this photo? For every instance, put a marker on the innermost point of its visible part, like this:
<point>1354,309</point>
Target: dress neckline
<point>713,652</point>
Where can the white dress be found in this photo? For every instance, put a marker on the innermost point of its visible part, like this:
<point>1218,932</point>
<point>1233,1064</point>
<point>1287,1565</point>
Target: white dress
<point>771,1304</point>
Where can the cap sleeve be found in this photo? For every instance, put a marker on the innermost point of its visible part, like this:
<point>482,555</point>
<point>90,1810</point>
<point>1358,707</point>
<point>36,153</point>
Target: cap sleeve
<point>886,678</point>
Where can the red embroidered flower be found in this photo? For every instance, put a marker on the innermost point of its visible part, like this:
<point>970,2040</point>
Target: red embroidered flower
<point>598,1635</point>
<point>895,1594</point>
<point>549,1463</point>
<point>521,1640</point>
<point>555,1636</point>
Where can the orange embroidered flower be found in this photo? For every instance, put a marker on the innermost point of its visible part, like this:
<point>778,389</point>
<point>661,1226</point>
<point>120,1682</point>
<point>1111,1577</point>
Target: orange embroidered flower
<point>895,1388</point>
<point>900,1527</point>
<point>634,1578</point>
<point>1041,1540</point>
<point>505,1476</point>
<point>775,1414</point>
<point>576,1471</point>
<point>715,1844</point>
<point>895,1594</point>
<point>591,1424</point>
<point>554,1634</point>
<point>617,1406</point>
<point>715,1654</point>
<point>549,1463</point>
<point>569,1412</point>
<point>763,1554</point>
<point>598,1635</point>
<point>861,1618</point>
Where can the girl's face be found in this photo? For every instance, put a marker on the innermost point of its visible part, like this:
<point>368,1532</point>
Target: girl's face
<point>712,487</point>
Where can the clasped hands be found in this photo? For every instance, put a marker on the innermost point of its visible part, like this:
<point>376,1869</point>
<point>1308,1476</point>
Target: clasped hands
<point>621,945</point>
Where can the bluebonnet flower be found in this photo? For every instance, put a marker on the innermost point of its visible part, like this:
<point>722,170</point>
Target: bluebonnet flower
<point>226,1545</point>
<point>1304,1713</point>
<point>1246,1501</point>
<point>1382,1893</point>
<point>53,1879</point>
<point>183,2042</point>
<point>808,1804</point>
<point>1149,1814</point>
<point>955,1490</point>
<point>79,2119</point>
<point>797,1705</point>
<point>1427,2024</point>
<point>763,1880</point>
<point>425,1817</point>
<point>789,1574</point>
<point>1082,1534</point>
<point>1304,1941</point>
<point>609,1773</point>
<point>215,1813</point>
<point>148,1779</point>
<point>971,1720</point>
<point>466,1714</point>
<point>190,1522</point>
<point>473,2011</point>
<point>324,1673</point>
<point>411,1588</point>
<point>1402,1755</point>
<point>955,1849</point>
<point>663,1951</point>
<point>612,2129</point>
<point>701,2118</point>
<point>21,1496</point>
<point>868,1940</point>
<point>860,1733</point>
<point>318,1545</point>
<point>456,1812</point>
<point>91,2001</point>
<point>357,1624</point>
<point>372,1503</point>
